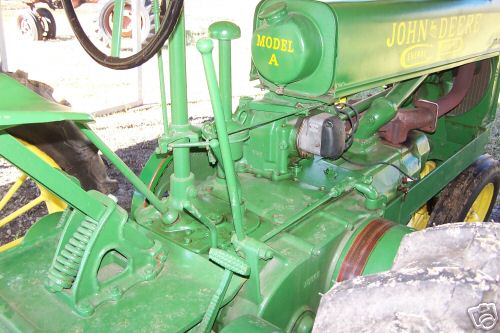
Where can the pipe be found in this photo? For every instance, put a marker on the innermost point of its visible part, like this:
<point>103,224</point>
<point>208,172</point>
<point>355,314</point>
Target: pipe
<point>182,177</point>
<point>292,220</point>
<point>116,34</point>
<point>161,72</point>
<point>426,114</point>
<point>225,32</point>
<point>384,109</point>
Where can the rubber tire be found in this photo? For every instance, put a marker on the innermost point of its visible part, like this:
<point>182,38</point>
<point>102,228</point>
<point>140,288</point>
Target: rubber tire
<point>48,21</point>
<point>64,143</point>
<point>34,24</point>
<point>71,150</point>
<point>147,16</point>
<point>457,198</point>
<point>438,274</point>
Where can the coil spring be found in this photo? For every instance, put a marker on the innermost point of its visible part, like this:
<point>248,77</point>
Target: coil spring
<point>65,267</point>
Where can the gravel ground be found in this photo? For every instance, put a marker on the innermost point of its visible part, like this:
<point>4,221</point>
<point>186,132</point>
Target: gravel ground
<point>132,135</point>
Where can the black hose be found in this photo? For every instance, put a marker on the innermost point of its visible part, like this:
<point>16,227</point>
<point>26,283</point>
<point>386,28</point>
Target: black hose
<point>172,14</point>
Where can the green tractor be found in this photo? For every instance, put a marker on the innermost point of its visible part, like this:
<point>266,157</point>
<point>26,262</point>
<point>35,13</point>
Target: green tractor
<point>328,205</point>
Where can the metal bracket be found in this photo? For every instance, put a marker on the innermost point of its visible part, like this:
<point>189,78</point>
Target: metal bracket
<point>97,261</point>
<point>165,141</point>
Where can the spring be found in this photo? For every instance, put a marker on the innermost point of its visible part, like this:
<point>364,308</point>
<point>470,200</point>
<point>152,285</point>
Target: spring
<point>65,267</point>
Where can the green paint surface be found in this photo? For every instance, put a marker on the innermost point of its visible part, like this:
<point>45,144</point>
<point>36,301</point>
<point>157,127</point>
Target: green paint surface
<point>278,223</point>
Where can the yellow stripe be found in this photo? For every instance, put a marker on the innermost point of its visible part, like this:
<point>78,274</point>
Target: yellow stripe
<point>21,211</point>
<point>11,245</point>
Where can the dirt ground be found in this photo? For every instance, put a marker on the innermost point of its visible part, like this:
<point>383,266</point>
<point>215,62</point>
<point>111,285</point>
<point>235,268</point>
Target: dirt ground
<point>132,134</point>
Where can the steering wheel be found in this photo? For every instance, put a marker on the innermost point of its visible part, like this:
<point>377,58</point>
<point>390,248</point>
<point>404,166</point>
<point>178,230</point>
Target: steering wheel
<point>167,26</point>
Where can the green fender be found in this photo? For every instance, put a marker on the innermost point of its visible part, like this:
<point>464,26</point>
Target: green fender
<point>20,106</point>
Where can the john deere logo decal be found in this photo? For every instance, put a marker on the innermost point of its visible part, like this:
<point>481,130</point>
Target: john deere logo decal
<point>428,40</point>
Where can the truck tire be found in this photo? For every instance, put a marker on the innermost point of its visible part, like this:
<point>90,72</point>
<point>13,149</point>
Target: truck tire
<point>444,279</point>
<point>471,196</point>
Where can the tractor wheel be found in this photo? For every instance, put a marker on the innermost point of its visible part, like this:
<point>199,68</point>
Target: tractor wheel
<point>29,26</point>
<point>105,22</point>
<point>64,143</point>
<point>48,23</point>
<point>62,146</point>
<point>420,220</point>
<point>52,203</point>
<point>471,196</point>
<point>444,279</point>
<point>71,150</point>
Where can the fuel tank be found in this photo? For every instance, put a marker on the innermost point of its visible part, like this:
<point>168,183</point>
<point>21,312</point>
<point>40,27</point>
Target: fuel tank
<point>322,50</point>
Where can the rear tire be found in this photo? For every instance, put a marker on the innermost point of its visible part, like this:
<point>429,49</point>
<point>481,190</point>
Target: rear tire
<point>457,201</point>
<point>64,143</point>
<point>71,150</point>
<point>438,275</point>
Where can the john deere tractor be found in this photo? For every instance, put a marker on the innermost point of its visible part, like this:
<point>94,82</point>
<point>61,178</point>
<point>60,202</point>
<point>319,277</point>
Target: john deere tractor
<point>328,205</point>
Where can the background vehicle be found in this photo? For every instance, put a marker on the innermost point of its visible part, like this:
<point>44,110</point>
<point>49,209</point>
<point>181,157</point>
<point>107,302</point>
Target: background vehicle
<point>241,224</point>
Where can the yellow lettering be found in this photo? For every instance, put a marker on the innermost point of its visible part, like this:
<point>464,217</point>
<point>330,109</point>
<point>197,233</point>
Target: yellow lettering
<point>269,42</point>
<point>443,28</point>
<point>401,33</point>
<point>468,24</point>
<point>460,25</point>
<point>412,30</point>
<point>280,44</point>
<point>390,41</point>
<point>422,31</point>
<point>434,29</point>
<point>453,25</point>
<point>276,43</point>
<point>284,45</point>
<point>273,60</point>
<point>261,40</point>
<point>476,22</point>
